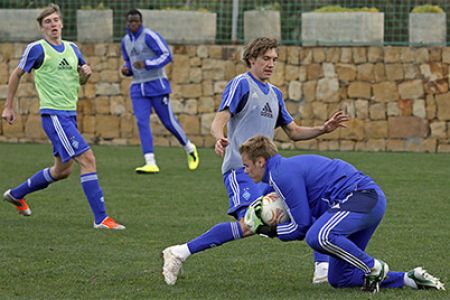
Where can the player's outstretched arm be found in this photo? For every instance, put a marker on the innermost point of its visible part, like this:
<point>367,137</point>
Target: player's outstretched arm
<point>337,120</point>
<point>8,113</point>
<point>298,133</point>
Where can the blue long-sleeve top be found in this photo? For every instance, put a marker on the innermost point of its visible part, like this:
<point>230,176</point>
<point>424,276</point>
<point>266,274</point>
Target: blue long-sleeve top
<point>159,46</point>
<point>309,185</point>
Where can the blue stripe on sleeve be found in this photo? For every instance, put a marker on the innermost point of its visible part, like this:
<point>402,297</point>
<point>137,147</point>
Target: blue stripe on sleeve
<point>284,118</point>
<point>159,46</point>
<point>235,95</point>
<point>81,60</point>
<point>32,57</point>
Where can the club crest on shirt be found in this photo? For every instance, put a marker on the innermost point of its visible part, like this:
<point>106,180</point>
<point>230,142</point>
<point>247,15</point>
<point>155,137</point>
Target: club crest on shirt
<point>246,195</point>
<point>267,111</point>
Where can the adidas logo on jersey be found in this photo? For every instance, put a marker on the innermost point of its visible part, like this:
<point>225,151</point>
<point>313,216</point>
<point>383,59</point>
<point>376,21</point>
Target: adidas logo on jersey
<point>134,52</point>
<point>267,111</point>
<point>64,65</point>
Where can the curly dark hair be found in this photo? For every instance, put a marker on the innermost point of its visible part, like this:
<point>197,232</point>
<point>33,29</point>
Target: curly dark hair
<point>258,47</point>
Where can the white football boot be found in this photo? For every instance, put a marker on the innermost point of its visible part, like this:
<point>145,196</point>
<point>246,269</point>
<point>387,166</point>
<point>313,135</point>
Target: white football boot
<point>172,265</point>
<point>320,272</point>
<point>425,280</point>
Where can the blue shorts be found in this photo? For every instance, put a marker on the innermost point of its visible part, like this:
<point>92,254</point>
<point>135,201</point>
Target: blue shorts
<point>62,131</point>
<point>242,191</point>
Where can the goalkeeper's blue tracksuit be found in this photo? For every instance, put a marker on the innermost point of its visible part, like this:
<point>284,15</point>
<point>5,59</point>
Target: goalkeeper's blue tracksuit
<point>346,204</point>
<point>150,87</point>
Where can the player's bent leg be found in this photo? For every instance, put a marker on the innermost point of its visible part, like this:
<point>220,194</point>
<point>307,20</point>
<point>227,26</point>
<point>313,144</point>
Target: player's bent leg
<point>61,170</point>
<point>163,109</point>
<point>174,256</point>
<point>39,181</point>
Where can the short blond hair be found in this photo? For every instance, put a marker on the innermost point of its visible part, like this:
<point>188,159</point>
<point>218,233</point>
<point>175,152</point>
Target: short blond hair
<point>258,146</point>
<point>258,47</point>
<point>52,8</point>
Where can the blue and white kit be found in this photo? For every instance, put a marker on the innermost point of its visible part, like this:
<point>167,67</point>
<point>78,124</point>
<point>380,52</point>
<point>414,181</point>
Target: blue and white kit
<point>59,125</point>
<point>150,87</point>
<point>336,208</point>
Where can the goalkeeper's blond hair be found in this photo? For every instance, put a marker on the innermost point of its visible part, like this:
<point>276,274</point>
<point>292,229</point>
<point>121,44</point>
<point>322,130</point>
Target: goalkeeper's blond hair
<point>258,146</point>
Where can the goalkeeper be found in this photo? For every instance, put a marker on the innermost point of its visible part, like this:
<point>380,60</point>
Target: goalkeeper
<point>250,105</point>
<point>347,207</point>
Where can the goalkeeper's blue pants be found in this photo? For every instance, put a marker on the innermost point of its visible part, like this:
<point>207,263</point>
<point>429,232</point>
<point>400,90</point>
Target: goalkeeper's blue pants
<point>344,236</point>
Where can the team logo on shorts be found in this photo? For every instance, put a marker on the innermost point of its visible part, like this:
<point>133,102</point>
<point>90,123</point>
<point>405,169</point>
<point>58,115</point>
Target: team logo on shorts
<point>74,142</point>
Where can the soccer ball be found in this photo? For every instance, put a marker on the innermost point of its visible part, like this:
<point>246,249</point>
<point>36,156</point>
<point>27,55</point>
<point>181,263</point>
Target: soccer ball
<point>273,211</point>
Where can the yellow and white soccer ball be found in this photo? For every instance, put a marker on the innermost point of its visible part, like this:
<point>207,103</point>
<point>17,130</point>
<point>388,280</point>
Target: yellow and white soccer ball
<point>273,211</point>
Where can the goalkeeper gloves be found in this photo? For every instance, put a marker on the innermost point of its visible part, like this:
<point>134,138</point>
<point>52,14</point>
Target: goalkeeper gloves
<point>253,220</point>
<point>252,216</point>
<point>267,231</point>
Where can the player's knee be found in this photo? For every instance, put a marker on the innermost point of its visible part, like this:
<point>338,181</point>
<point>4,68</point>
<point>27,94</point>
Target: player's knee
<point>89,159</point>
<point>62,174</point>
<point>86,162</point>
<point>313,240</point>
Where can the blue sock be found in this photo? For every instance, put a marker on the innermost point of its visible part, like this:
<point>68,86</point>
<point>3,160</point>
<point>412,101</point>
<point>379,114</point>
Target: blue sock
<point>37,182</point>
<point>94,194</point>
<point>216,236</point>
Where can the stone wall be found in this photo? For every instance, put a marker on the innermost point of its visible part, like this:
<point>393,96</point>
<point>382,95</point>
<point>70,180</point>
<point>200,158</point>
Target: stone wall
<point>398,97</point>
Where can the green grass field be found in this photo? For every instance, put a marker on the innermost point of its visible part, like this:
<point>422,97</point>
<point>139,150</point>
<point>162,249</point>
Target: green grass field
<point>55,254</point>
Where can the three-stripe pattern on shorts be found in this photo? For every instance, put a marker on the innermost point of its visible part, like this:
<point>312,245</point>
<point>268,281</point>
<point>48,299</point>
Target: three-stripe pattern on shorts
<point>235,187</point>
<point>62,135</point>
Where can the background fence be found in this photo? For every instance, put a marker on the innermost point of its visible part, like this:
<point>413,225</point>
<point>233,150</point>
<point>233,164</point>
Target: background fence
<point>395,29</point>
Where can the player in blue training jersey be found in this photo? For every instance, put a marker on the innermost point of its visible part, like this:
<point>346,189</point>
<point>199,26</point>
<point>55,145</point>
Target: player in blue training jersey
<point>59,69</point>
<point>250,105</point>
<point>334,207</point>
<point>146,53</point>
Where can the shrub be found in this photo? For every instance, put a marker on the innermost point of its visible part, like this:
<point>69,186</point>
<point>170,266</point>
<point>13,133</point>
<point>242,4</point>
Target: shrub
<point>338,8</point>
<point>428,8</point>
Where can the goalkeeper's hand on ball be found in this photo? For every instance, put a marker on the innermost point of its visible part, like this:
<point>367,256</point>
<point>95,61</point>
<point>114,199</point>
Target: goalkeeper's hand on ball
<point>253,215</point>
<point>253,220</point>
